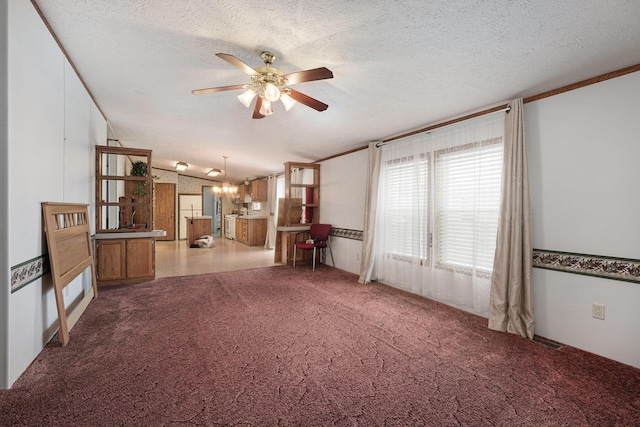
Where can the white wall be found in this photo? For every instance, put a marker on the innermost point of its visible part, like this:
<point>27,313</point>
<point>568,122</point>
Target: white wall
<point>342,194</point>
<point>584,157</point>
<point>52,129</point>
<point>584,174</point>
<point>5,273</point>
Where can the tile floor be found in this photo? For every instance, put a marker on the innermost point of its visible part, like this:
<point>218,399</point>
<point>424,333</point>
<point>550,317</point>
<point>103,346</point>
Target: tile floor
<point>176,259</point>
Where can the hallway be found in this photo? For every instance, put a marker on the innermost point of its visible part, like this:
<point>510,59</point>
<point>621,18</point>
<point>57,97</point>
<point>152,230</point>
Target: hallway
<point>174,258</point>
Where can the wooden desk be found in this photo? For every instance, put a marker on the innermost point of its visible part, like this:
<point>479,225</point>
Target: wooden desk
<point>197,226</point>
<point>285,241</point>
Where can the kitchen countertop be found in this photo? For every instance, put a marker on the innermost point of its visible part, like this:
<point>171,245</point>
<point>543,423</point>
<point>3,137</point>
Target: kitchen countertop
<point>130,235</point>
<point>252,216</point>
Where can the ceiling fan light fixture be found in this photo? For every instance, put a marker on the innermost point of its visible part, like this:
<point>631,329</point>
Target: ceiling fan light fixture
<point>271,84</point>
<point>265,108</point>
<point>214,172</point>
<point>287,101</point>
<point>271,92</point>
<point>182,166</point>
<point>247,97</point>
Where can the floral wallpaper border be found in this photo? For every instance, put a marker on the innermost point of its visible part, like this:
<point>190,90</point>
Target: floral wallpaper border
<point>28,271</point>
<point>347,233</point>
<point>591,265</point>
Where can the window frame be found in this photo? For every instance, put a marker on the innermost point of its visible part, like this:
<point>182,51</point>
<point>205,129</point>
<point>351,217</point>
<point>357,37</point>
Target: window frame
<point>447,261</point>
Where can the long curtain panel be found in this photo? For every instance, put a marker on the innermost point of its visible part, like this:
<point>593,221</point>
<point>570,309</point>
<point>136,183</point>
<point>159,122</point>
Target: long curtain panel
<point>371,209</point>
<point>437,212</point>
<point>511,289</point>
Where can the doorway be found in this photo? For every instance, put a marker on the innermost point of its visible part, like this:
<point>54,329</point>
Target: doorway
<point>212,206</point>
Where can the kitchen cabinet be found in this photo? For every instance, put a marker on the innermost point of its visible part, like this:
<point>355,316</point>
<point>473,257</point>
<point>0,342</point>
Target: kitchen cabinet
<point>259,190</point>
<point>251,231</point>
<point>125,260</point>
<point>244,194</point>
<point>242,230</point>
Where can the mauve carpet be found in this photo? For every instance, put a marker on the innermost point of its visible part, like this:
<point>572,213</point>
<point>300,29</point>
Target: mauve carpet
<point>283,347</point>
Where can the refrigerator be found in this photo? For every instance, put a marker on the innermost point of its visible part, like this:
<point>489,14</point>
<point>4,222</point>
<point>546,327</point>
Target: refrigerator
<point>188,205</point>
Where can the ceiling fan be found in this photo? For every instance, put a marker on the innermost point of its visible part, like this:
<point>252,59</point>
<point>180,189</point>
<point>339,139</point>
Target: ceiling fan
<point>271,85</point>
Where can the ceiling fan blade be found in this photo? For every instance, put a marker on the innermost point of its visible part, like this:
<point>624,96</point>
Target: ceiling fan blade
<point>256,110</point>
<point>218,89</point>
<point>309,75</point>
<point>237,63</point>
<point>308,101</point>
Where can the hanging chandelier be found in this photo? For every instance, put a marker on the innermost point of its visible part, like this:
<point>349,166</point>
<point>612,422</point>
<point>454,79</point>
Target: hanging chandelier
<point>226,187</point>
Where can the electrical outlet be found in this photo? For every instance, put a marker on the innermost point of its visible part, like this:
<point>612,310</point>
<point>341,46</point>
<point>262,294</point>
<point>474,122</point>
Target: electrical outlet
<point>598,311</point>
<point>357,256</point>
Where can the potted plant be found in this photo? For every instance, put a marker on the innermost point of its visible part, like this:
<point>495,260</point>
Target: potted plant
<point>139,168</point>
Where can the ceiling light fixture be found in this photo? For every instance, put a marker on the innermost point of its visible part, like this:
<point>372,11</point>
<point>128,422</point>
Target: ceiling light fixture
<point>271,92</point>
<point>265,108</point>
<point>269,84</point>
<point>226,187</point>
<point>287,101</point>
<point>182,166</point>
<point>247,97</point>
<point>214,172</point>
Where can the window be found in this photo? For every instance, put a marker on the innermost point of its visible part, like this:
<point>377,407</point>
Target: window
<point>437,212</point>
<point>466,208</point>
<point>467,205</point>
<point>406,185</point>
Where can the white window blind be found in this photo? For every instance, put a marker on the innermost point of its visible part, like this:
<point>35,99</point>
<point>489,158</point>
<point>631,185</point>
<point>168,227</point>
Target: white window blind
<point>406,207</point>
<point>468,180</point>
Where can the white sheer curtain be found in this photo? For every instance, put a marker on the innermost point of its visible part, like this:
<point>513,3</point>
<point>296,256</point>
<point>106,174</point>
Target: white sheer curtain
<point>402,216</point>
<point>272,191</point>
<point>437,212</point>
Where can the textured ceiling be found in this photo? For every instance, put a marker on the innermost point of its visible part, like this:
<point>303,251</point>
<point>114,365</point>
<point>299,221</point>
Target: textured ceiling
<point>397,65</point>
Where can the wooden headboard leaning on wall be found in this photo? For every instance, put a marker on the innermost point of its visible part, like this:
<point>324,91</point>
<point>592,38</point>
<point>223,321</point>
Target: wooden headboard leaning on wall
<point>70,253</point>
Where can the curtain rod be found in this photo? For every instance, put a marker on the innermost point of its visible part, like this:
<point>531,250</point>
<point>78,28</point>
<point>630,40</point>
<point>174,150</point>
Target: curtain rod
<point>499,109</point>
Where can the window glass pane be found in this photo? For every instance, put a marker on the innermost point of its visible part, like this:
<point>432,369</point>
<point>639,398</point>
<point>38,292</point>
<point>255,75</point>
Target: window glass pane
<point>468,180</point>
<point>405,207</point>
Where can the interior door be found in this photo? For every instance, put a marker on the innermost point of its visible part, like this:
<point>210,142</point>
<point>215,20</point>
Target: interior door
<point>164,211</point>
